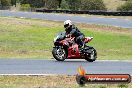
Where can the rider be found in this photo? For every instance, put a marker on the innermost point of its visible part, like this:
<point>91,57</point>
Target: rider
<point>72,30</point>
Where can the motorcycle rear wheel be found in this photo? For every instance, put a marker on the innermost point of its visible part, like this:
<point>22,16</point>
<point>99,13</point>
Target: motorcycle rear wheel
<point>59,54</point>
<point>92,56</point>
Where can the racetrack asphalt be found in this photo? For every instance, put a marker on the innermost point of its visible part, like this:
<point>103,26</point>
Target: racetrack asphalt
<point>68,67</point>
<point>125,23</point>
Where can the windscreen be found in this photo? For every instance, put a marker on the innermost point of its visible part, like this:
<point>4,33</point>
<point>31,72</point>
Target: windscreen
<point>60,35</point>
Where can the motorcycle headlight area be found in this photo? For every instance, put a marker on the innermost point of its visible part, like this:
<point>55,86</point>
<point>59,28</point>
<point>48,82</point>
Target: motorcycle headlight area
<point>55,38</point>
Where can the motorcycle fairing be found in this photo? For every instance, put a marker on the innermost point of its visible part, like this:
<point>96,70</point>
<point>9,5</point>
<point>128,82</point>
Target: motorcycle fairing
<point>73,52</point>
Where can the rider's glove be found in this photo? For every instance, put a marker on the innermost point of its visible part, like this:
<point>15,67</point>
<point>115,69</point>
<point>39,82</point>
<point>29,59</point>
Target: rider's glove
<point>69,35</point>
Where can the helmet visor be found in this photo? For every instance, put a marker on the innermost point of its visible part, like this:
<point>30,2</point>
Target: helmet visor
<point>66,25</point>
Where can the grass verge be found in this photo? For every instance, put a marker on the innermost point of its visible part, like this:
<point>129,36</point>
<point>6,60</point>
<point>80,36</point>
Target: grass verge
<point>30,38</point>
<point>60,81</point>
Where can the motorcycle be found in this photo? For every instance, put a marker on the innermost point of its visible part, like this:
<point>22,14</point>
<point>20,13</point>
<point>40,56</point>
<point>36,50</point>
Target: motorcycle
<point>66,48</point>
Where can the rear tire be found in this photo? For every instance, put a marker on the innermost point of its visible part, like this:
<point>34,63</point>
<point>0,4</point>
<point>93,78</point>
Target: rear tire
<point>59,54</point>
<point>92,56</point>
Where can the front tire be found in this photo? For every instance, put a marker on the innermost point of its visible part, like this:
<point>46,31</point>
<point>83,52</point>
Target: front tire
<point>59,53</point>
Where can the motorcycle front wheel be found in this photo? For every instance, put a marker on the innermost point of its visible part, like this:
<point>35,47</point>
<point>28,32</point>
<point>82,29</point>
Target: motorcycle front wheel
<point>59,53</point>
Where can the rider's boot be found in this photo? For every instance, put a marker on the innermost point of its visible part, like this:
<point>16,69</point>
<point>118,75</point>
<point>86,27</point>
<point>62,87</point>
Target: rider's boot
<point>81,48</point>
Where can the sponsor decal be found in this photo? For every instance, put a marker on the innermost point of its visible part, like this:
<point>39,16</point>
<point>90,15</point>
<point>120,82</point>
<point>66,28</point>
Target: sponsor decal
<point>83,78</point>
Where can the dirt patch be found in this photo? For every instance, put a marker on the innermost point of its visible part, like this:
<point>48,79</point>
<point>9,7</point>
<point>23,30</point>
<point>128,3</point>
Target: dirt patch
<point>102,28</point>
<point>26,22</point>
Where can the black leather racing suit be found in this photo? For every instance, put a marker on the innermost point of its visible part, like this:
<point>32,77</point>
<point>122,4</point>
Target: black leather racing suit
<point>77,34</point>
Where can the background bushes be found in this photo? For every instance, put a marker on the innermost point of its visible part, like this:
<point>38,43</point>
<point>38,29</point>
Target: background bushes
<point>126,7</point>
<point>68,4</point>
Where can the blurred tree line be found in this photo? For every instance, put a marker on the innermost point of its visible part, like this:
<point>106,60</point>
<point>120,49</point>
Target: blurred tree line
<point>66,4</point>
<point>58,4</point>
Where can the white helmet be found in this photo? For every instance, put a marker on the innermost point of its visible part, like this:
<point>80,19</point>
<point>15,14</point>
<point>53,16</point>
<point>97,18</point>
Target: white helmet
<point>67,23</point>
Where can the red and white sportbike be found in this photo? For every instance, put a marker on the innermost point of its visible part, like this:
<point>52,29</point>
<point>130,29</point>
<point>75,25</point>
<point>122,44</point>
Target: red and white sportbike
<point>66,48</point>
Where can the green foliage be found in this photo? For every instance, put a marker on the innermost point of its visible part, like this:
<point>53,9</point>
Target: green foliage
<point>37,3</point>
<point>92,5</point>
<point>86,4</point>
<point>122,86</point>
<point>13,2</point>
<point>52,4</point>
<point>25,7</point>
<point>73,4</point>
<point>64,5</point>
<point>126,7</point>
<point>34,3</point>
<point>5,2</point>
<point>49,4</point>
<point>102,86</point>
